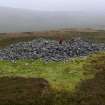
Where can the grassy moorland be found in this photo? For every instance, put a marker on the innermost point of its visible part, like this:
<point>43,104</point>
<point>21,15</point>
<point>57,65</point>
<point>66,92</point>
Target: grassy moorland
<point>94,35</point>
<point>79,81</point>
<point>76,82</point>
<point>59,74</point>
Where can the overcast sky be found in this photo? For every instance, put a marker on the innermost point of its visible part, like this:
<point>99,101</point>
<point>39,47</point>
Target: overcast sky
<point>56,5</point>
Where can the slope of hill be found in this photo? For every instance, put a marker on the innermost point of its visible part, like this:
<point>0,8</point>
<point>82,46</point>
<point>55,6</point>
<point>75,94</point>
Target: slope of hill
<point>18,20</point>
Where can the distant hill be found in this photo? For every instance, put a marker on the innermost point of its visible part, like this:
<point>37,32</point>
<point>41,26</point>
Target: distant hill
<point>18,20</point>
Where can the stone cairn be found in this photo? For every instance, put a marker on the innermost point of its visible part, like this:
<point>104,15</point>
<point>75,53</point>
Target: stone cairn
<point>50,50</point>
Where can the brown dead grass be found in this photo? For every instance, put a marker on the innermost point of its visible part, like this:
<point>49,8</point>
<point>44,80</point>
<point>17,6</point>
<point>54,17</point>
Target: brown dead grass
<point>91,92</point>
<point>22,91</point>
<point>94,35</point>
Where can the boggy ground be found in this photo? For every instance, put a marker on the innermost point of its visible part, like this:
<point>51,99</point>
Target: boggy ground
<point>76,82</point>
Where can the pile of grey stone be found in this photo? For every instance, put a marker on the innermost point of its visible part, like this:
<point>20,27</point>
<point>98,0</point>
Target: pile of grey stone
<point>50,49</point>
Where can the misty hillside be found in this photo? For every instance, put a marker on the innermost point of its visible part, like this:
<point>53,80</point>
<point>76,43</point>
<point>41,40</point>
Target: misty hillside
<point>17,20</point>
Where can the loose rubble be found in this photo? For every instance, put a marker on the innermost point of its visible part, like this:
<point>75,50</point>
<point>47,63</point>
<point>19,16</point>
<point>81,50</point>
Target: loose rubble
<point>50,49</point>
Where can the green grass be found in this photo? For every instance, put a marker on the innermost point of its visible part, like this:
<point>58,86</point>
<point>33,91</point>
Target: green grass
<point>60,75</point>
<point>78,81</point>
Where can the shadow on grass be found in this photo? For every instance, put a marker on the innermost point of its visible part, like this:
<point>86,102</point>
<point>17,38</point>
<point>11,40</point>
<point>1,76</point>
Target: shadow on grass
<point>37,91</point>
<point>22,91</point>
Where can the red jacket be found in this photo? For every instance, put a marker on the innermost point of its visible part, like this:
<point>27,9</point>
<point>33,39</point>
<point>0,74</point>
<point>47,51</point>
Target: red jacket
<point>61,40</point>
